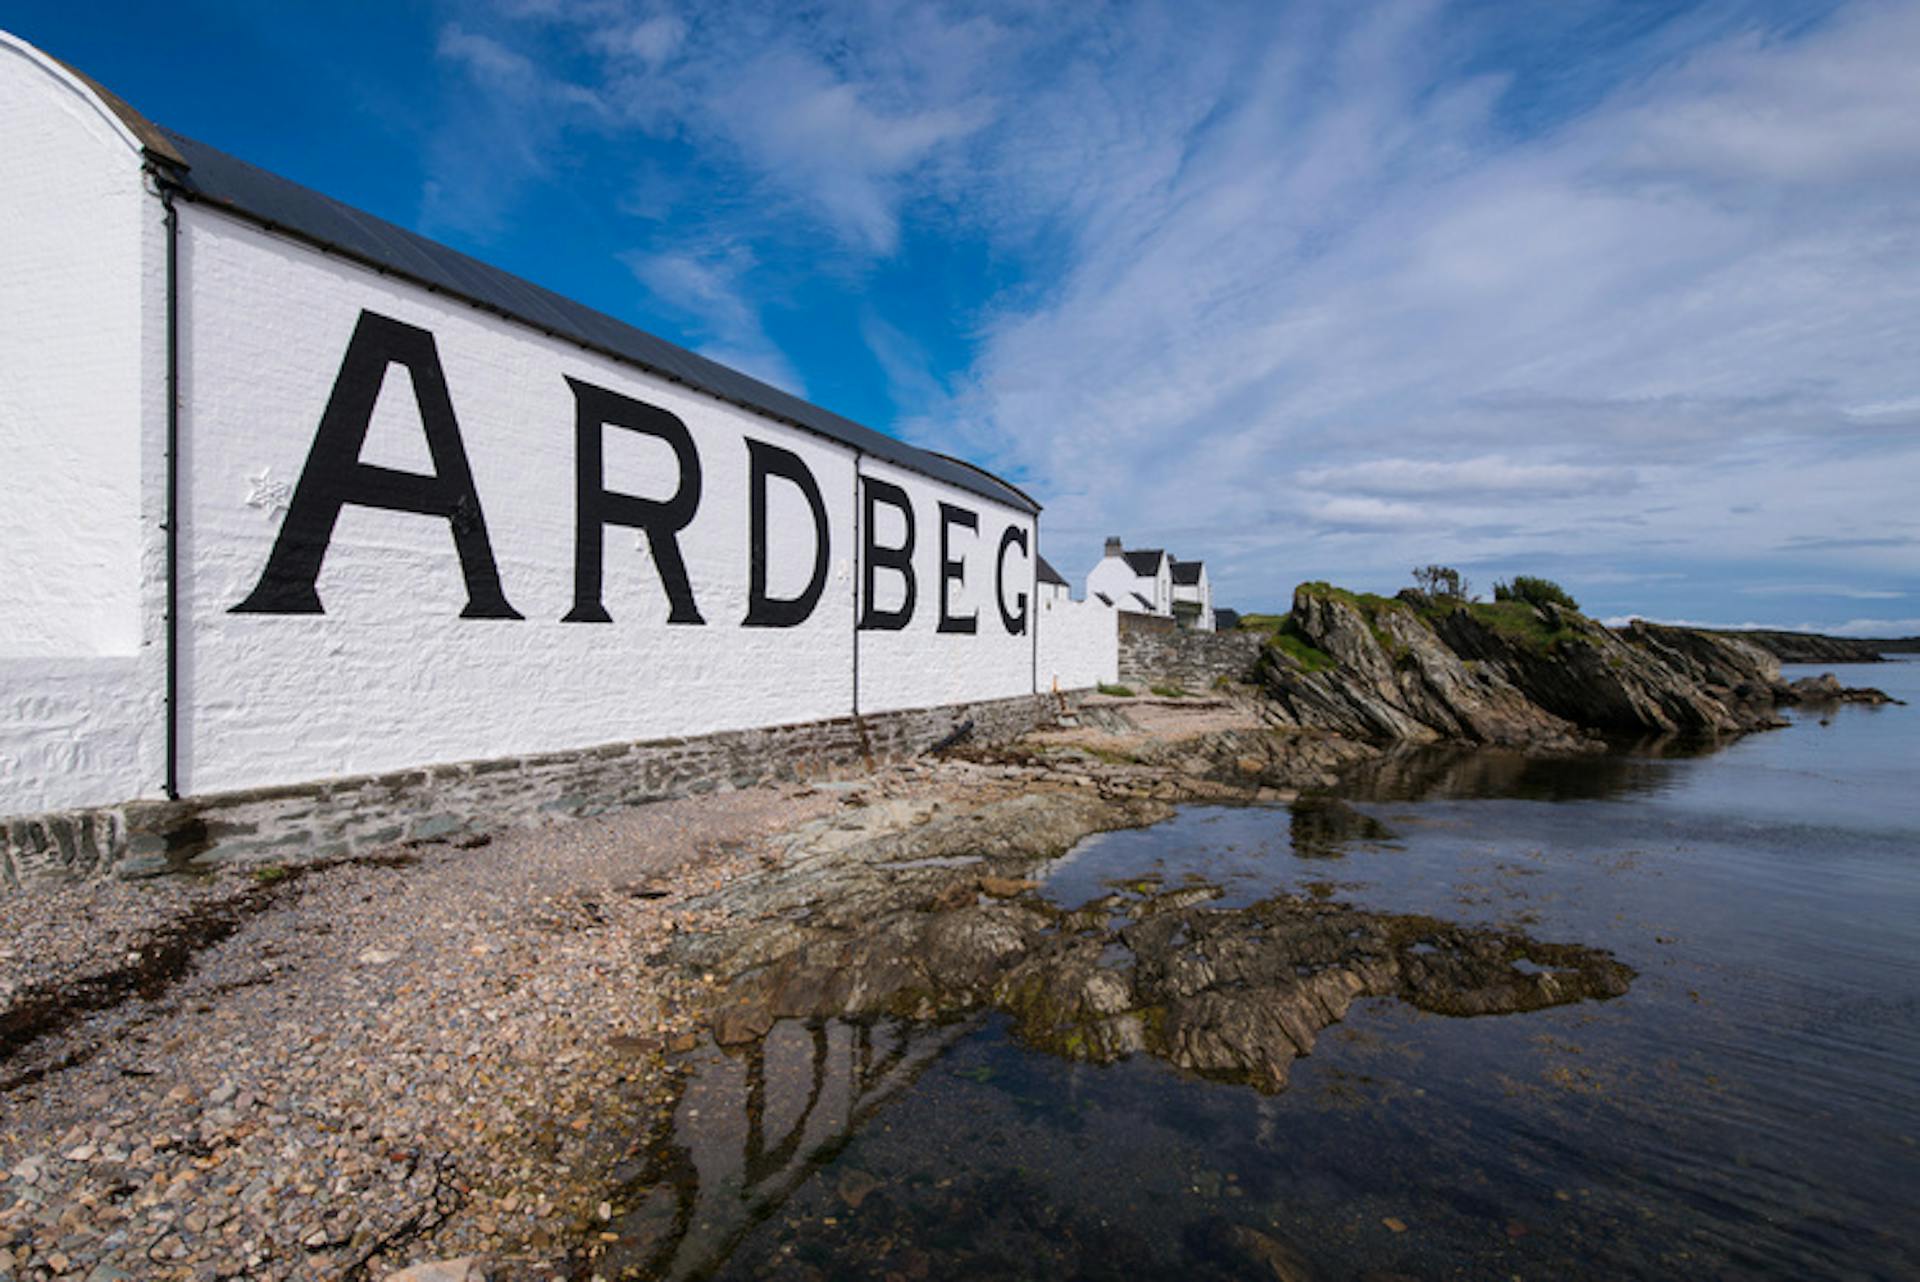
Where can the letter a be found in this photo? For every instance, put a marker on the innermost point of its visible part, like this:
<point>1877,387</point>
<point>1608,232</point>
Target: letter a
<point>334,476</point>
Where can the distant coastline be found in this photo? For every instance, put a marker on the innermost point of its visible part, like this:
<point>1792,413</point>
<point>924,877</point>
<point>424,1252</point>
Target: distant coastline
<point>1812,647</point>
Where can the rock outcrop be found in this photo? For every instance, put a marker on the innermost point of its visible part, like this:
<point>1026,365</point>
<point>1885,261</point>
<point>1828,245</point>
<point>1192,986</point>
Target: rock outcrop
<point>1232,993</point>
<point>943,919</point>
<point>1810,647</point>
<point>1419,669</point>
<point>1826,688</point>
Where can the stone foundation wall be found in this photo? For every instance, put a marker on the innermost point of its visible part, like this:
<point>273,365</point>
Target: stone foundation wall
<point>1191,660</point>
<point>305,822</point>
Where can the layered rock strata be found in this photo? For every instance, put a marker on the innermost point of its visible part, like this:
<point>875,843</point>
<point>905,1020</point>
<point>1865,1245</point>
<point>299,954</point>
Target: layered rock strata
<point>1418,669</point>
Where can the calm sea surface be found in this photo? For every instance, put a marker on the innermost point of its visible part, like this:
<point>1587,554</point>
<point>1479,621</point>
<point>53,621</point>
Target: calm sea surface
<point>1751,1108</point>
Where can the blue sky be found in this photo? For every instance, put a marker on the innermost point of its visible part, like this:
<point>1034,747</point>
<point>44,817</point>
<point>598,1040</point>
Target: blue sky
<point>1624,294</point>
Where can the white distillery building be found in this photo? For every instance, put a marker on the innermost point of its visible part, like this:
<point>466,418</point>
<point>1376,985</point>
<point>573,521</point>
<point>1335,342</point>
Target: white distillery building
<point>1136,582</point>
<point>1053,586</point>
<point>299,495</point>
<point>1151,582</point>
<point>1192,595</point>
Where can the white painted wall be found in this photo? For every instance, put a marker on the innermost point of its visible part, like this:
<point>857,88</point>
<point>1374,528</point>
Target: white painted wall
<point>1079,644</point>
<point>920,666</point>
<point>79,248</point>
<point>389,675</point>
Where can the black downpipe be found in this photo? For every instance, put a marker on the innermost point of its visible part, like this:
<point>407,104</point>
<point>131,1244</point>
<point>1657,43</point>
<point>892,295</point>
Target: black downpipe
<point>857,456</point>
<point>1033,602</point>
<point>173,493</point>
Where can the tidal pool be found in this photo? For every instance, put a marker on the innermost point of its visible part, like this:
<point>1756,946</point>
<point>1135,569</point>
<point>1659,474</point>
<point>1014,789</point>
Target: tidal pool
<point>1750,1107</point>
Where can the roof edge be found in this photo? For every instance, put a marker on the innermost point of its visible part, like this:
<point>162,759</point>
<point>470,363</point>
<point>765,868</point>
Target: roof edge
<point>217,181</point>
<point>139,133</point>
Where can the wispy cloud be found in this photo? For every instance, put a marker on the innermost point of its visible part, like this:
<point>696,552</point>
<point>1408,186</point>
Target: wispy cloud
<point>1362,281</point>
<point>512,112</point>
<point>1801,590</point>
<point>708,291</point>
<point>1488,474</point>
<point>1311,289</point>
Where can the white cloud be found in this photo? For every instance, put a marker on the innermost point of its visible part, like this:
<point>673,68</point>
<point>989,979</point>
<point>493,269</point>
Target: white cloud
<point>825,141</point>
<point>708,291</point>
<point>512,112</point>
<point>652,41</point>
<point>1325,291</point>
<point>1487,474</point>
<point>908,369</point>
<point>1821,589</point>
<point>1598,346</point>
<point>1339,511</point>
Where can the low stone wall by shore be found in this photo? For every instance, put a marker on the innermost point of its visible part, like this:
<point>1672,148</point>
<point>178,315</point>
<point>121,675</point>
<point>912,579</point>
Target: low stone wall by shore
<point>305,822</point>
<point>1191,660</point>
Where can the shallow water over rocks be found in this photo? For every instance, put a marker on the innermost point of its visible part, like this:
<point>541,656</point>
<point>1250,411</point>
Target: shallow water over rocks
<point>1744,1106</point>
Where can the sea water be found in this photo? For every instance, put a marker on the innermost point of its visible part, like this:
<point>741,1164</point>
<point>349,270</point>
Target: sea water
<point>1750,1108</point>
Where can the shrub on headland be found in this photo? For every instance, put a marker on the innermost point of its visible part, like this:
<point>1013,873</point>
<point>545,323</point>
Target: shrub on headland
<point>1442,581</point>
<point>1534,591</point>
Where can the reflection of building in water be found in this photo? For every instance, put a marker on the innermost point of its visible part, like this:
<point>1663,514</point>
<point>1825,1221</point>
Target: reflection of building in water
<point>752,1125</point>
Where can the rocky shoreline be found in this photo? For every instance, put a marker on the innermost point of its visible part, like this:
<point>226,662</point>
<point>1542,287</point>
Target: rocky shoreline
<point>475,1054</point>
<point>339,1071</point>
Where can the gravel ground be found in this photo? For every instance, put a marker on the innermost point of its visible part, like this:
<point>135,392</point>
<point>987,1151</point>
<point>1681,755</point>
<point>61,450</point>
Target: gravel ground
<point>327,1073</point>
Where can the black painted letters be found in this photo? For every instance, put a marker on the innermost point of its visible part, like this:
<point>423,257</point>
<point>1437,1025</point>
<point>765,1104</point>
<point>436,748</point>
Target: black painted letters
<point>334,476</point>
<point>1015,624</point>
<point>763,611</point>
<point>596,408</point>
<point>874,557</point>
<point>953,570</point>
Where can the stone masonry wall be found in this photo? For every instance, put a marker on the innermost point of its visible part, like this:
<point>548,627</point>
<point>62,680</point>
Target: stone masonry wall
<point>1190,660</point>
<point>306,822</point>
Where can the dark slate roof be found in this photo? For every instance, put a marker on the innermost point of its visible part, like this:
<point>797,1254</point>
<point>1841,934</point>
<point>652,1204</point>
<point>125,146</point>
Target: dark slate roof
<point>1047,573</point>
<point>1226,620</point>
<point>1186,573</point>
<point>1142,600</point>
<point>1104,598</point>
<point>1145,562</point>
<point>212,177</point>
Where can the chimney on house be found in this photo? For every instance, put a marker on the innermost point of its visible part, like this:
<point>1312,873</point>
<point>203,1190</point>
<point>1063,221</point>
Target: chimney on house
<point>1113,545</point>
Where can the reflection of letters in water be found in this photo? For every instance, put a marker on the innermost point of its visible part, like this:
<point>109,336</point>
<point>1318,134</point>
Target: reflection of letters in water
<point>752,1125</point>
<point>334,476</point>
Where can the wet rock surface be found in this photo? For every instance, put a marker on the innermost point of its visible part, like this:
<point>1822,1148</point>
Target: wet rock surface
<point>437,1053</point>
<point>882,938</point>
<point>1233,993</point>
<point>1826,689</point>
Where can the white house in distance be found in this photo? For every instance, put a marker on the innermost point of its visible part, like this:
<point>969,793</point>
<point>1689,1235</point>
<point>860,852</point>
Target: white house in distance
<point>1149,581</point>
<point>1137,582</point>
<point>1051,586</point>
<point>1192,595</point>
